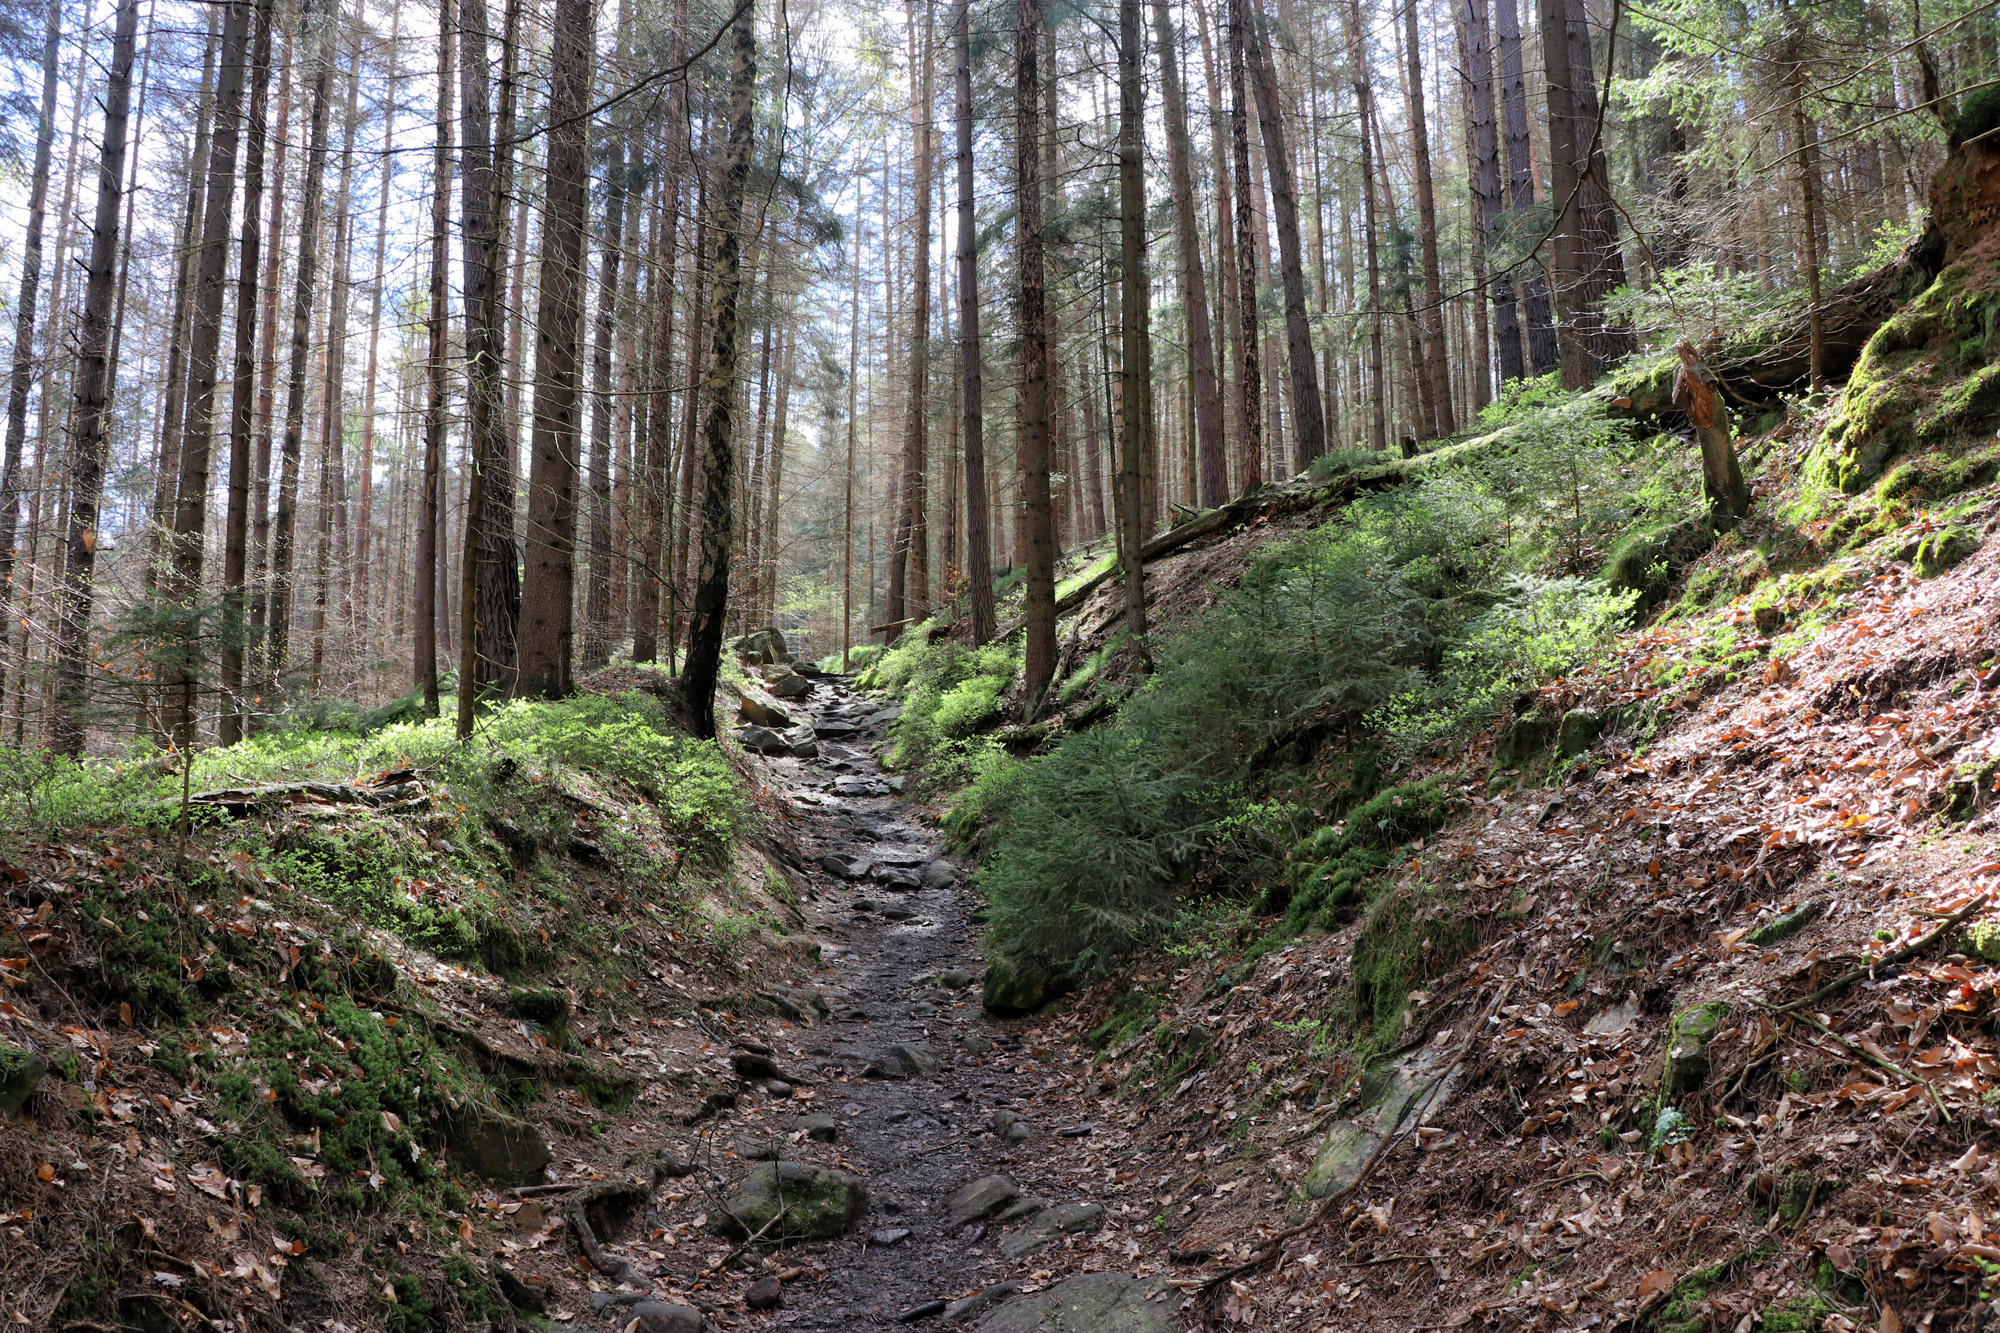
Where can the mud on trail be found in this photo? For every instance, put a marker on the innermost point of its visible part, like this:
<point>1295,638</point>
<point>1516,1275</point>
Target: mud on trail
<point>986,1156</point>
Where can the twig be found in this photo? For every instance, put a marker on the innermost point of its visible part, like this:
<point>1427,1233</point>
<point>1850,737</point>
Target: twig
<point>609,1265</point>
<point>1901,955</point>
<point>1866,1057</point>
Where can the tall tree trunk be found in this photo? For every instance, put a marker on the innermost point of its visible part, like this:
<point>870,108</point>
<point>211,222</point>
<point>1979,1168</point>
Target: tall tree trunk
<point>1542,351</point>
<point>718,462</point>
<point>909,553</point>
<point>972,373</point>
<point>79,576</point>
<point>1214,469</point>
<point>184,659</point>
<point>1364,107</point>
<point>1136,369</point>
<point>437,384</point>
<point>1229,313</point>
<point>330,534</point>
<point>1586,262</point>
<point>597,586</point>
<point>775,471</point>
<point>267,379</point>
<point>364,515</point>
<point>1807,133</point>
<point>22,376</point>
<point>320,46</point>
<point>853,381</point>
<point>242,397</point>
<point>1486,185</point>
<point>1437,371</point>
<point>1031,447</point>
<point>1308,410</point>
<point>547,605</point>
<point>1249,388</point>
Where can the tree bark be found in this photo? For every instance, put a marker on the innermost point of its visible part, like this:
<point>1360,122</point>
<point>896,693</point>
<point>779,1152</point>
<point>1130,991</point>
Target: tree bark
<point>1364,99</point>
<point>437,382</point>
<point>1209,447</point>
<point>1543,354</point>
<point>242,398</point>
<point>1308,411</point>
<point>1136,367</point>
<point>711,595</point>
<point>1249,388</point>
<point>79,576</point>
<point>1486,187</point>
<point>1032,412</point>
<point>1437,372</point>
<point>597,585</point>
<point>909,556</point>
<point>972,373</point>
<point>22,375</point>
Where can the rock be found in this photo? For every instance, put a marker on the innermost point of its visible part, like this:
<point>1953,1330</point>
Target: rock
<point>1581,727</point>
<point>896,877</point>
<point>715,1103</point>
<point>846,867</point>
<point>1523,739</point>
<point>763,647</point>
<point>792,1201</point>
<point>20,1072</point>
<point>1780,928</point>
<point>1025,1206</point>
<point>1410,1084</point>
<point>755,1066</point>
<point>979,1200</point>
<point>804,747</point>
<point>1012,990</point>
<point>660,1317</point>
<point>764,739</point>
<point>1687,1065</point>
<point>1005,1124</point>
<point>1768,617</point>
<point>818,1128</point>
<point>760,711</point>
<point>1615,1019</point>
<point>1050,1226</point>
<point>979,1300</point>
<point>800,1003</point>
<point>766,1293</point>
<point>1940,550</point>
<point>928,1310</point>
<point>530,1294</point>
<point>865,905</point>
<point>498,1146</point>
<point>835,729</point>
<point>789,685</point>
<point>897,912</point>
<point>894,785</point>
<point>977,1044</point>
<point>916,1059</point>
<point>778,1089</point>
<point>757,1150</point>
<point>1090,1303</point>
<point>889,1236</point>
<point>938,874</point>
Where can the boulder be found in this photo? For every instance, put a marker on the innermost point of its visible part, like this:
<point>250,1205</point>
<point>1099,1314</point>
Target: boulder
<point>661,1317</point>
<point>1687,1065</point>
<point>1523,739</point>
<point>818,1128</point>
<point>1090,1303</point>
<point>1050,1226</point>
<point>787,684</point>
<point>803,742</point>
<point>766,1293</point>
<point>765,740</point>
<point>846,867</point>
<point>790,1201</point>
<point>500,1147</point>
<point>938,874</point>
<point>979,1200</point>
<point>1581,727</point>
<point>763,647</point>
<point>1409,1084</point>
<point>20,1072</point>
<point>1012,989</point>
<point>955,978</point>
<point>1006,1125</point>
<point>916,1059</point>
<point>763,711</point>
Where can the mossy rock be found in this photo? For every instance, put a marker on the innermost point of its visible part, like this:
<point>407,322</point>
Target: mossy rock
<point>1524,740</point>
<point>21,1071</point>
<point>1648,561</point>
<point>1780,928</point>
<point>548,1007</point>
<point>500,1147</point>
<point>1012,988</point>
<point>1940,550</point>
<point>1090,1303</point>
<point>793,1201</point>
<point>1687,1065</point>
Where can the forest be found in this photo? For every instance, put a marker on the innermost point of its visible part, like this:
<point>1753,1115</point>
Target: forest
<point>1091,665</point>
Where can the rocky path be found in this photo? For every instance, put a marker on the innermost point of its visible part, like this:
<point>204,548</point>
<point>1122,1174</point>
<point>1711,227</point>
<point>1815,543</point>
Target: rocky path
<point>976,1202</point>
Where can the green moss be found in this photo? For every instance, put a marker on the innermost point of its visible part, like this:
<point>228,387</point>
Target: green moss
<point>1130,1012</point>
<point>1978,113</point>
<point>1940,550</point>
<point>1328,868</point>
<point>1412,935</point>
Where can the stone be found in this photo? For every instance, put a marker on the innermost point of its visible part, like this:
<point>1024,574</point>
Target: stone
<point>764,739</point>
<point>803,747</point>
<point>1410,1084</point>
<point>897,912</point>
<point>761,711</point>
<point>1523,739</point>
<point>916,1058</point>
<point>757,1150</point>
<point>661,1317</point>
<point>1780,928</point>
<point>1687,1065</point>
<point>1615,1019</point>
<point>778,1089</point>
<point>977,1045</point>
<point>1581,727</point>
<point>979,1300</point>
<point>1090,1303</point>
<point>1050,1226</point>
<point>790,1201</point>
<point>1940,550</point>
<point>889,1236</point>
<point>865,905</point>
<point>20,1072</point>
<point>1768,617</point>
<point>818,1128</point>
<point>896,877</point>
<point>1003,1124</point>
<point>939,874</point>
<point>789,685</point>
<point>763,647</point>
<point>1012,990</point>
<point>500,1147</point>
<point>846,867</point>
<point>766,1293</point>
<point>755,1066</point>
<point>1025,1206</point>
<point>979,1200</point>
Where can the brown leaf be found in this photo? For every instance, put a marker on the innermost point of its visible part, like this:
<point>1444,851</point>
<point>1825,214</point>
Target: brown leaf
<point>1653,1284</point>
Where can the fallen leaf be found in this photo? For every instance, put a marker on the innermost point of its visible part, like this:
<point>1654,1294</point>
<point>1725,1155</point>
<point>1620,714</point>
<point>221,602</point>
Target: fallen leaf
<point>1653,1284</point>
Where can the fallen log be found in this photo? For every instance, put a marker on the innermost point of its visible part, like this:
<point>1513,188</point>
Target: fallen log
<point>390,789</point>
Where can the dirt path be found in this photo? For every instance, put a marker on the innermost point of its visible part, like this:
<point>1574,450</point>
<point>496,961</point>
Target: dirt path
<point>906,1064</point>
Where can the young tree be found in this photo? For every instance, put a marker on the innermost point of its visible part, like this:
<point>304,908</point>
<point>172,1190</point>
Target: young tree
<point>972,376</point>
<point>430,505</point>
<point>1136,319</point>
<point>718,464</point>
<point>1443,420</point>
